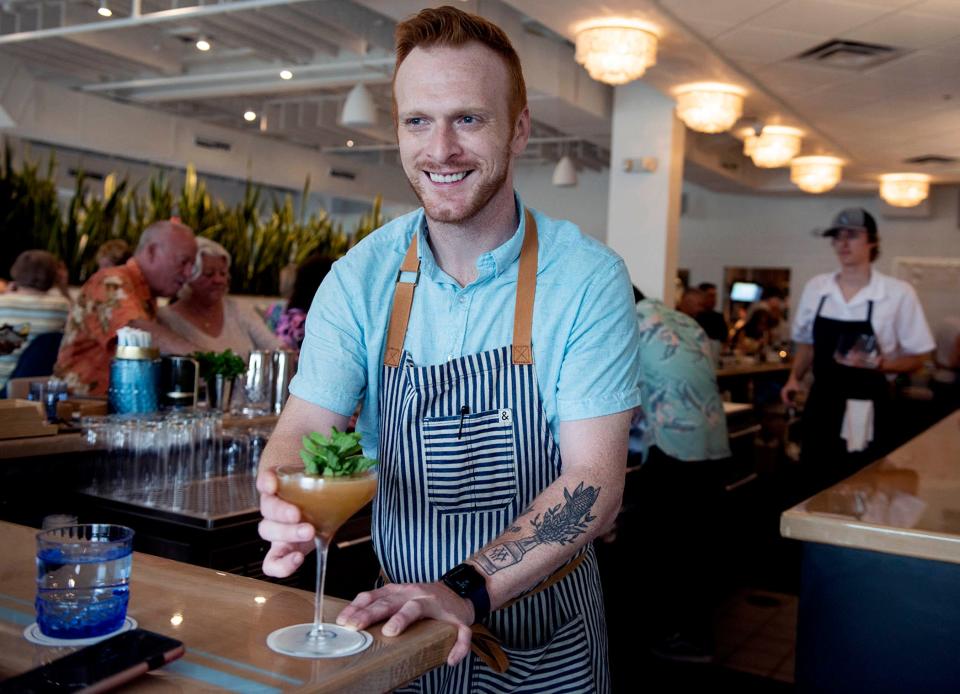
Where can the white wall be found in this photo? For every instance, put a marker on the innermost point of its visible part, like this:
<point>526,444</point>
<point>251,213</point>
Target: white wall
<point>584,204</point>
<point>720,230</point>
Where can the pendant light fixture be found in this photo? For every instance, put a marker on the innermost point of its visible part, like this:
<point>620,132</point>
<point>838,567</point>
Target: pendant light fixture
<point>709,107</point>
<point>616,51</point>
<point>776,146</point>
<point>565,173</point>
<point>816,174</point>
<point>904,189</point>
<point>359,110</point>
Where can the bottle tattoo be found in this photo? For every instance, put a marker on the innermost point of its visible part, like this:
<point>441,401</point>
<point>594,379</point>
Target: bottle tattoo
<point>559,525</point>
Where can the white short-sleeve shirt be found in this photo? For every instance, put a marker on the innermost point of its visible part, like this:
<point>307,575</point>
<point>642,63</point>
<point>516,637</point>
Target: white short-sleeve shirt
<point>897,320</point>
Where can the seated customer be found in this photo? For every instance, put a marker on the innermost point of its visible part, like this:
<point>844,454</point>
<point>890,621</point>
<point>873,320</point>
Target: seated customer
<point>692,302</point>
<point>711,320</point>
<point>290,326</point>
<point>126,296</point>
<point>208,318</point>
<point>27,301</point>
<point>755,335</point>
<point>112,253</point>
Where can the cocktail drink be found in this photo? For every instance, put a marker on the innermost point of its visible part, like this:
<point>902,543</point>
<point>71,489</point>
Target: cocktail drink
<point>326,502</point>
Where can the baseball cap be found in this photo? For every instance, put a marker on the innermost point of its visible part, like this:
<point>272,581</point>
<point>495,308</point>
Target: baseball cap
<point>852,218</point>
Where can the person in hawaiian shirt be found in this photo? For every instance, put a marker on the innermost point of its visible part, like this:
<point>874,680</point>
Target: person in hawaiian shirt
<point>679,440</point>
<point>123,296</point>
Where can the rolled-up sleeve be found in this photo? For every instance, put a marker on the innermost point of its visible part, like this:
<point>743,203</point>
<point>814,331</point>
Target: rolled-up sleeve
<point>806,314</point>
<point>332,368</point>
<point>600,371</point>
<point>913,332</point>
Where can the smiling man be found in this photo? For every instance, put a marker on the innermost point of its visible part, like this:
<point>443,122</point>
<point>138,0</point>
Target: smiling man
<point>496,357</point>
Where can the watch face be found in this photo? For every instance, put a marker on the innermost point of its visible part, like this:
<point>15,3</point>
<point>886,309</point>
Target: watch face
<point>462,579</point>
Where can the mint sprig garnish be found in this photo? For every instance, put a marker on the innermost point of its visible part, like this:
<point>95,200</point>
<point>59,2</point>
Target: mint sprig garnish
<point>337,455</point>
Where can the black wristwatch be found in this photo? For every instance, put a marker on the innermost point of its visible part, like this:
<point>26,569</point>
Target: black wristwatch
<point>467,582</point>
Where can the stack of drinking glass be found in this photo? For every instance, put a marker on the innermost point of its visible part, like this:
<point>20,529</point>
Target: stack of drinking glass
<point>161,460</point>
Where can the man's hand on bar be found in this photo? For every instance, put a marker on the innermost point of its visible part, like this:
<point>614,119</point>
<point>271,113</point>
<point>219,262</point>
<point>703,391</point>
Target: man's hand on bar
<point>402,604</point>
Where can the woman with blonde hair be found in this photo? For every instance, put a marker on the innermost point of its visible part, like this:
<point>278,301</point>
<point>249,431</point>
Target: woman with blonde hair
<point>207,317</point>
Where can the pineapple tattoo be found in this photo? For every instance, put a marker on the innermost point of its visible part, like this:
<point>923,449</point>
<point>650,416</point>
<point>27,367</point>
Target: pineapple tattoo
<point>559,525</point>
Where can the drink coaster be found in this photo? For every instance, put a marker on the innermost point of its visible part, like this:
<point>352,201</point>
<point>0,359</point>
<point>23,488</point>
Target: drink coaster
<point>33,634</point>
<point>360,647</point>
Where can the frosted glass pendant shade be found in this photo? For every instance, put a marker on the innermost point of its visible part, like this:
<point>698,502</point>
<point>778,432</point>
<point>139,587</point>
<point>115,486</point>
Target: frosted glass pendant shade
<point>616,51</point>
<point>904,189</point>
<point>359,110</point>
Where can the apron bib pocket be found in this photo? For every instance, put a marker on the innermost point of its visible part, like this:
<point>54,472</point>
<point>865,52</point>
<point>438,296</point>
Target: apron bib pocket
<point>470,461</point>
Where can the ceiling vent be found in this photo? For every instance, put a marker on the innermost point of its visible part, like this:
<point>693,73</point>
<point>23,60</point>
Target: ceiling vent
<point>850,55</point>
<point>207,143</point>
<point>930,159</point>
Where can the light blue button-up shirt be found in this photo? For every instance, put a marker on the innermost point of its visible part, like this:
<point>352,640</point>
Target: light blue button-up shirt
<point>585,340</point>
<point>682,410</point>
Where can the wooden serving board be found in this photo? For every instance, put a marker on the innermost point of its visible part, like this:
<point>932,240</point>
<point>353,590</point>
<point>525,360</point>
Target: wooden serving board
<point>23,418</point>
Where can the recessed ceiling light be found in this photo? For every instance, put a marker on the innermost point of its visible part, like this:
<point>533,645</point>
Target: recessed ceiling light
<point>203,44</point>
<point>350,143</point>
<point>250,116</point>
<point>104,11</point>
<point>286,75</point>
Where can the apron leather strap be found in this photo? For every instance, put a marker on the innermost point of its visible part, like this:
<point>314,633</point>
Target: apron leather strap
<point>402,303</point>
<point>522,351</point>
<point>487,646</point>
<point>484,644</point>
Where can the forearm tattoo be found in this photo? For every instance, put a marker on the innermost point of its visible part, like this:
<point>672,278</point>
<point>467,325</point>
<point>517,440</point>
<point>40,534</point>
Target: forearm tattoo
<point>559,525</point>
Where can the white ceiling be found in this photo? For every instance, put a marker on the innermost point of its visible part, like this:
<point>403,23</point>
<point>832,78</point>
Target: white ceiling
<point>876,118</point>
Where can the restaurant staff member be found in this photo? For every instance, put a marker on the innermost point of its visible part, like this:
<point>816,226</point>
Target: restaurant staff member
<point>855,327</point>
<point>497,391</point>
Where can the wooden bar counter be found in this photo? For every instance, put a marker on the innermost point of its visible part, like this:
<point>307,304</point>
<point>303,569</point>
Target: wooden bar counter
<point>223,620</point>
<point>880,574</point>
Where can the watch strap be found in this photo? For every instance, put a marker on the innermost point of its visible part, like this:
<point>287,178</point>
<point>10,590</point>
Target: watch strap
<point>476,592</point>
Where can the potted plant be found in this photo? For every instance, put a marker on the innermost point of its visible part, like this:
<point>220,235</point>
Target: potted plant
<point>218,370</point>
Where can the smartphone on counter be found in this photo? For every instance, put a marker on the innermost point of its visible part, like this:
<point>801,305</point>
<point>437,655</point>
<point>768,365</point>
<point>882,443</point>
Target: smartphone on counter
<point>101,666</point>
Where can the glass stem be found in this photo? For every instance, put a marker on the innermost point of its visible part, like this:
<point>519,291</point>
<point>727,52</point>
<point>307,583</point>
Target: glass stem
<point>322,547</point>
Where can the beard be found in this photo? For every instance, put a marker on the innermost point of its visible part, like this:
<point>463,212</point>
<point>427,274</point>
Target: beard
<point>478,198</point>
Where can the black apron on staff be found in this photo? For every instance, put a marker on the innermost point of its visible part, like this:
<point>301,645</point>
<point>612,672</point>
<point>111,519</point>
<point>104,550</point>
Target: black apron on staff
<point>824,453</point>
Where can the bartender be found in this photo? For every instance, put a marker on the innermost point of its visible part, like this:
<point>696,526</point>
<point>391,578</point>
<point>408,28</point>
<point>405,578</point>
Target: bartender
<point>856,327</point>
<point>500,386</point>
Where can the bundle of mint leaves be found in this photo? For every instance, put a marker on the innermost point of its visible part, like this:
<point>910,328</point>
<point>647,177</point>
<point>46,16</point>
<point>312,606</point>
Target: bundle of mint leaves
<point>337,455</point>
<point>225,363</point>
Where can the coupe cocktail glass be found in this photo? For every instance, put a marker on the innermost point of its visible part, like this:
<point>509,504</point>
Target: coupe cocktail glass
<point>326,503</point>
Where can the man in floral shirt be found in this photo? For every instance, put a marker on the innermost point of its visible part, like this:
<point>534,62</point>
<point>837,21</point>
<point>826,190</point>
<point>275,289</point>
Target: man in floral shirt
<point>680,436</point>
<point>126,296</point>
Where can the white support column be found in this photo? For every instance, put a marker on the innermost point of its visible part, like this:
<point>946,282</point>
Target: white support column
<point>643,216</point>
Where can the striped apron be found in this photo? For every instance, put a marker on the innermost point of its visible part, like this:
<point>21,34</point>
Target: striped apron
<point>464,448</point>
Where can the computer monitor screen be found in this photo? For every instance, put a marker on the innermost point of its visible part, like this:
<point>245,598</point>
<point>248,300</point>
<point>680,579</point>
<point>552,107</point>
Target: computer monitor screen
<point>745,291</point>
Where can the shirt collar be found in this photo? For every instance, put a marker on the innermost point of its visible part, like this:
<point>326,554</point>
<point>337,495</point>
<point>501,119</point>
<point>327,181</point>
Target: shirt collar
<point>139,281</point>
<point>874,291</point>
<point>489,265</point>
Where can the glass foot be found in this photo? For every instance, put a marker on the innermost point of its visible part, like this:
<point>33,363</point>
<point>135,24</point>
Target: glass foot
<point>333,642</point>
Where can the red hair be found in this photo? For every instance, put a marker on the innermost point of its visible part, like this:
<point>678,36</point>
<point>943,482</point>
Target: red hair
<point>448,26</point>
